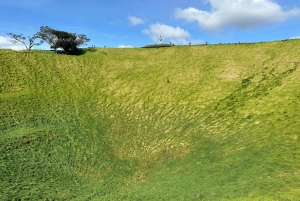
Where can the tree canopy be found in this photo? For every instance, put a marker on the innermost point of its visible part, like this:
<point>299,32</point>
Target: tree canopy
<point>69,42</point>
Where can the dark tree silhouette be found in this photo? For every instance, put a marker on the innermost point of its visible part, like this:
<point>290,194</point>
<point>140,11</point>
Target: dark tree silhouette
<point>69,42</point>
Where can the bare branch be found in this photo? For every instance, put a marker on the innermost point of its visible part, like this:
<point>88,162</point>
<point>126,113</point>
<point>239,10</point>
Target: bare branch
<point>21,39</point>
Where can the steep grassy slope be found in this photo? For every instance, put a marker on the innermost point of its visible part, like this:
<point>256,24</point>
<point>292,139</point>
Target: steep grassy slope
<point>181,123</point>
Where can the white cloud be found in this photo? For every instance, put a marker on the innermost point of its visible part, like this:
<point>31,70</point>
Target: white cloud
<point>5,43</point>
<point>125,46</point>
<point>166,32</point>
<point>135,21</point>
<point>297,37</point>
<point>240,14</point>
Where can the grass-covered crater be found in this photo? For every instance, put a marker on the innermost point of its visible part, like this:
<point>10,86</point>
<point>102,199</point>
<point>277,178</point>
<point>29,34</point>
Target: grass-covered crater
<point>216,122</point>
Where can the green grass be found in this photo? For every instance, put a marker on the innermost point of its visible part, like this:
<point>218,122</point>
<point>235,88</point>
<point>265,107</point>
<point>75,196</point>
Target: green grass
<point>216,122</point>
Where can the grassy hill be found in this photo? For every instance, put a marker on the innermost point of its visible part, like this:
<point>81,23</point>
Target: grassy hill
<point>216,122</point>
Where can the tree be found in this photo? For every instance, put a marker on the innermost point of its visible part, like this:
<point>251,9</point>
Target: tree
<point>46,34</point>
<point>21,39</point>
<point>69,42</point>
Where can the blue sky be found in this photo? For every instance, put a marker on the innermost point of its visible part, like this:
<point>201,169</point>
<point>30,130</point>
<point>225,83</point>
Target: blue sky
<point>136,23</point>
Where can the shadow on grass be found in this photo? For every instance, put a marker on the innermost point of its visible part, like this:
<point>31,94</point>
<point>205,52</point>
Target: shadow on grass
<point>78,52</point>
<point>158,46</point>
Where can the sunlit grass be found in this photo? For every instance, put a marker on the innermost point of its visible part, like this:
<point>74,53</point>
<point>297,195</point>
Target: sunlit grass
<point>214,122</point>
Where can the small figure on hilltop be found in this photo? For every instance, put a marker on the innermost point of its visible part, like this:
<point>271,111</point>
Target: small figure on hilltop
<point>160,39</point>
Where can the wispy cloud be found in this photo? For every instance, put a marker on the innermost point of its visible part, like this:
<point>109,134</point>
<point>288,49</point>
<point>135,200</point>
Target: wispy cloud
<point>27,4</point>
<point>107,35</point>
<point>135,21</point>
<point>166,32</point>
<point>5,43</point>
<point>241,14</point>
<point>115,22</point>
